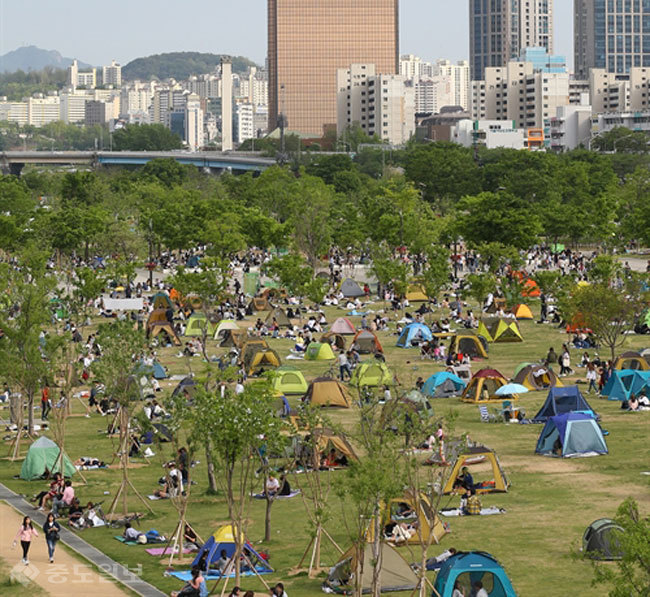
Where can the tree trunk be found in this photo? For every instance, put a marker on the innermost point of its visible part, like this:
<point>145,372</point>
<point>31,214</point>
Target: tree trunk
<point>267,518</point>
<point>212,479</point>
<point>30,413</point>
<point>376,548</point>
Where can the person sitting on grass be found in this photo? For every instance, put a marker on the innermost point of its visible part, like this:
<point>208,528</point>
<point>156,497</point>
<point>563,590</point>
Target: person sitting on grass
<point>464,480</point>
<point>191,539</point>
<point>195,587</point>
<point>472,503</point>
<point>131,534</point>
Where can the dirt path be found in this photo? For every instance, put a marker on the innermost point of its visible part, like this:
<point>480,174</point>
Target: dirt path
<point>68,576</point>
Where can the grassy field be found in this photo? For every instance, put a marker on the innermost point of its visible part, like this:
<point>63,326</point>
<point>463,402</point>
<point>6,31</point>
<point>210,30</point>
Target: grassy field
<point>550,503</point>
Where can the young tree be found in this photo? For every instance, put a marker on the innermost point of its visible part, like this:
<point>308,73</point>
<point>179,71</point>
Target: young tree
<point>479,286</point>
<point>630,577</point>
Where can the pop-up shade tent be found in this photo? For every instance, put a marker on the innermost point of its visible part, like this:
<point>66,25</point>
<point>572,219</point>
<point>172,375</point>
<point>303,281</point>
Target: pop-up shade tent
<point>414,333</point>
<point>601,540</point>
<point>560,401</point>
<point>42,456</point>
<point>466,568</point>
<point>570,435</point>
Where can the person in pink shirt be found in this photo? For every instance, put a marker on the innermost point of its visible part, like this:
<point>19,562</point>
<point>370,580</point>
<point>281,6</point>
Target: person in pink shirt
<point>25,533</point>
<point>66,499</point>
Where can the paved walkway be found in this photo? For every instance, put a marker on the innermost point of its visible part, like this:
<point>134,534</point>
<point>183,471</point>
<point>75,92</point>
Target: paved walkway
<point>68,576</point>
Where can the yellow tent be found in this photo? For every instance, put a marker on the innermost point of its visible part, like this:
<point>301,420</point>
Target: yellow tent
<point>632,360</point>
<point>522,312</point>
<point>263,359</point>
<point>317,351</point>
<point>498,483</point>
<point>483,385</point>
<point>500,330</point>
<point>468,344</point>
<point>325,391</point>
<point>166,327</point>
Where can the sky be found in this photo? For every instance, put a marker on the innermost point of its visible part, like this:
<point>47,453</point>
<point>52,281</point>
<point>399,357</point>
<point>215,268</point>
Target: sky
<point>97,32</point>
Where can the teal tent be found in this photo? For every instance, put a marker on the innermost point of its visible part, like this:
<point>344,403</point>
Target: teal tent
<point>619,385</point>
<point>42,456</point>
<point>467,568</point>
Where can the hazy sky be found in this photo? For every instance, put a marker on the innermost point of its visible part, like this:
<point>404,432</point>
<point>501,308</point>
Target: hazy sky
<point>97,32</point>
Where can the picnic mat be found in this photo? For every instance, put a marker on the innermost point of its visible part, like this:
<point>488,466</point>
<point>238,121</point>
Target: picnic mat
<point>492,510</point>
<point>186,575</point>
<point>123,540</point>
<point>261,496</point>
<point>164,551</point>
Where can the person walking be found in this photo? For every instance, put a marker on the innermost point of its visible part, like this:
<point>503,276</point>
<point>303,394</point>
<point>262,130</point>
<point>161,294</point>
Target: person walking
<point>344,366</point>
<point>25,533</point>
<point>51,528</point>
<point>592,376</point>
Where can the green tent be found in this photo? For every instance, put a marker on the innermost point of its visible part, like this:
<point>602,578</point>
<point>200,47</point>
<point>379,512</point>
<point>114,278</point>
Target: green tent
<point>288,380</point>
<point>371,374</point>
<point>251,283</point>
<point>43,455</point>
<point>317,351</point>
<point>196,324</point>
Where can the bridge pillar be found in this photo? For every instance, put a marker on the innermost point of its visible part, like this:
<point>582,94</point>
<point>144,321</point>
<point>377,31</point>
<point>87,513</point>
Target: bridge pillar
<point>15,169</point>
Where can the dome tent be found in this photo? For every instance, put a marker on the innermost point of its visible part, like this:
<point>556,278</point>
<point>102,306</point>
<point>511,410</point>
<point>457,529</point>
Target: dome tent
<point>317,351</point>
<point>536,377</point>
<point>44,455</point>
<point>571,434</point>
<point>483,385</point>
<point>288,380</point>
<point>474,346</point>
<point>350,289</point>
<point>325,391</point>
<point>443,384</point>
<point>468,567</point>
<point>223,326</point>
<point>497,484</point>
<point>600,540</point>
<point>367,342</point>
<point>414,332</point>
<point>343,326</point>
<point>632,360</point>
<point>372,373</point>
<point>561,401</point>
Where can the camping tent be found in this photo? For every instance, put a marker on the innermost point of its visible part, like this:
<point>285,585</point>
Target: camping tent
<point>522,311</point>
<point>414,400</point>
<point>498,483</point>
<point>224,540</point>
<point>196,324</point>
<point>223,326</point>
<point>619,385</point>
<point>536,377</point>
<point>632,360</point>
<point>640,383</point>
<point>417,332</point>
<point>161,300</point>
<point>642,325</point>
<point>261,360</point>
<point>560,401</point>
<point>483,385</point>
<point>157,316</point>
<point>443,384</point>
<point>500,330</point>
<point>343,326</point>
<point>371,374</point>
<point>165,327</point>
<point>42,456</point>
<point>474,346</point>
<point>187,385</point>
<point>465,568</point>
<point>395,573</point>
<point>325,391</point>
<point>156,370</point>
<point>317,351</point>
<point>289,380</point>
<point>531,289</point>
<point>571,434</point>
<point>280,317</point>
<point>430,527</point>
<point>259,303</point>
<point>367,342</point>
<point>600,540</point>
<point>333,340</point>
<point>235,338</point>
<point>249,348</point>
<point>350,289</point>
<point>326,440</point>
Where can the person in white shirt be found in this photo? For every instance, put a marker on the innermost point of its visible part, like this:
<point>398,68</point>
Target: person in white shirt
<point>272,485</point>
<point>239,387</point>
<point>479,591</point>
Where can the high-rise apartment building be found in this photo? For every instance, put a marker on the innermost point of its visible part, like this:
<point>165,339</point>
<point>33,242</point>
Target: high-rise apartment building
<point>500,29</point>
<point>611,34</point>
<point>112,75</point>
<point>309,40</point>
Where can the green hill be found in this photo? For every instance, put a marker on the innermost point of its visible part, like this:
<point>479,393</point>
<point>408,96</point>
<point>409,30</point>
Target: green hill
<point>179,65</point>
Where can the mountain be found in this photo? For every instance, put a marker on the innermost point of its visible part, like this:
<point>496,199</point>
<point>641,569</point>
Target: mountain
<point>179,65</point>
<point>30,58</point>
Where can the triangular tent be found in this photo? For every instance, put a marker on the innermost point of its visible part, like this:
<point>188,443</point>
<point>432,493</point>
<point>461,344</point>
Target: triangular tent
<point>224,540</point>
<point>235,338</point>
<point>350,289</point>
<point>429,527</point>
<point>470,345</point>
<point>367,342</point>
<point>560,401</point>
<point>289,380</point>
<point>319,352</point>
<point>223,326</point>
<point>327,440</point>
<point>371,374</point>
<point>333,340</point>
<point>161,300</point>
<point>443,385</point>
<point>42,456</point>
<point>165,329</point>
<point>249,348</point>
<point>259,303</point>
<point>414,334</point>
<point>571,434</point>
<point>395,573</point>
<point>522,311</point>
<point>497,483</point>
<point>157,316</point>
<point>483,386</point>
<point>537,377</point>
<point>343,326</point>
<point>325,391</point>
<point>196,324</point>
<point>465,568</point>
<point>531,289</point>
<point>262,360</point>
<point>280,317</point>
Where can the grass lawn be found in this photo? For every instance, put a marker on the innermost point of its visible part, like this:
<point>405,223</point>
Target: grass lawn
<point>550,503</point>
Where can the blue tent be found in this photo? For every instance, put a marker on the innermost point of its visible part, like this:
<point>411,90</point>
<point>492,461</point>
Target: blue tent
<point>414,331</point>
<point>466,568</point>
<point>571,434</point>
<point>443,384</point>
<point>223,540</point>
<point>619,385</point>
<point>640,382</point>
<point>156,370</point>
<point>560,401</point>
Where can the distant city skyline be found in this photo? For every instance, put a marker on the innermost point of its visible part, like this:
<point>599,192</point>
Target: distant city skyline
<point>124,30</point>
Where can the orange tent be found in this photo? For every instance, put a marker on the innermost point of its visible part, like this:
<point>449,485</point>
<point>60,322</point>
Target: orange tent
<point>174,295</point>
<point>531,289</point>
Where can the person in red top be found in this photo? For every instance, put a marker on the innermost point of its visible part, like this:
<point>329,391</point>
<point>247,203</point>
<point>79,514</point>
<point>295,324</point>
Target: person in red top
<point>46,405</point>
<point>25,533</point>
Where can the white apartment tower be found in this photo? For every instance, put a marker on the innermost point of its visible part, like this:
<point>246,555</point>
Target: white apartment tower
<point>382,105</point>
<point>112,75</point>
<point>226,104</point>
<point>193,122</point>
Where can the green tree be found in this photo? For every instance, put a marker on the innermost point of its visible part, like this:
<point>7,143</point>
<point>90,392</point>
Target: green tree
<point>630,576</point>
<point>479,286</point>
<point>146,137</point>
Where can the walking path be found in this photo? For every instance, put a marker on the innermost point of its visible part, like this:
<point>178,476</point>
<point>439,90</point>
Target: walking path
<point>68,576</point>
